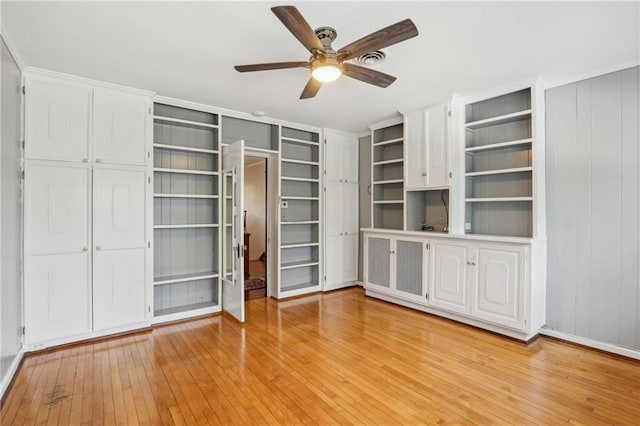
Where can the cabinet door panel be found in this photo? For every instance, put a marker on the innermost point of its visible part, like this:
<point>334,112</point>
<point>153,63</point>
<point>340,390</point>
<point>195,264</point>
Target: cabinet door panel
<point>57,119</point>
<point>498,294</point>
<point>56,296</point>
<point>118,287</point>
<point>56,208</point>
<point>349,208</point>
<point>378,262</point>
<point>436,146</point>
<point>333,157</point>
<point>333,260</point>
<point>333,208</point>
<point>119,126</point>
<point>119,208</point>
<point>350,258</point>
<point>415,155</point>
<point>350,159</point>
<point>449,284</point>
<point>410,266</point>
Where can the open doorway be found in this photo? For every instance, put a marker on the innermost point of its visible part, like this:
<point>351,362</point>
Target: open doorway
<point>255,227</point>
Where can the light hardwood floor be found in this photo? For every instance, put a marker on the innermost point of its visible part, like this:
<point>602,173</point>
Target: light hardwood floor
<point>334,358</point>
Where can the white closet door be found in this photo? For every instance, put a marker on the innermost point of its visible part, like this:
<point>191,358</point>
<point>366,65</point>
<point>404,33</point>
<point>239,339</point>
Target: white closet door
<point>333,261</point>
<point>333,156</point>
<point>349,159</point>
<point>414,152</point>
<point>333,208</point>
<point>436,146</point>
<point>57,119</point>
<point>119,274</point>
<point>350,257</point>
<point>119,126</point>
<point>348,208</point>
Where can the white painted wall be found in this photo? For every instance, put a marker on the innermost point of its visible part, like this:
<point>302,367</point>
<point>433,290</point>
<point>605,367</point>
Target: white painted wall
<point>593,207</point>
<point>255,205</point>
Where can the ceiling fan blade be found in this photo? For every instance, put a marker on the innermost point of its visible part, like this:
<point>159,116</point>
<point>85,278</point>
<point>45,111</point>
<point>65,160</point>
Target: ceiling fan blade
<point>295,22</point>
<point>311,89</point>
<point>367,75</point>
<point>271,66</point>
<point>400,31</point>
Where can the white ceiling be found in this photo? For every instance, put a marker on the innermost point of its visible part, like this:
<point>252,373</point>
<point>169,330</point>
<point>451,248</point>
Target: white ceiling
<point>187,50</point>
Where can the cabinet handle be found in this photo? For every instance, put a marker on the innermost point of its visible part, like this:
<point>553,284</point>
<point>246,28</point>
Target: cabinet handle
<point>98,160</point>
<point>98,247</point>
<point>85,248</point>
<point>392,252</point>
<point>85,160</point>
<point>424,173</point>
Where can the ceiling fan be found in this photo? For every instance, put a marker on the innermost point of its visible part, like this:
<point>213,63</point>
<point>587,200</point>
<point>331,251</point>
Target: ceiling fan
<point>327,64</point>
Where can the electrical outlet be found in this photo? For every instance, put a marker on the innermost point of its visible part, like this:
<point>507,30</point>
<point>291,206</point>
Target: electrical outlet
<point>467,226</point>
<point>284,204</point>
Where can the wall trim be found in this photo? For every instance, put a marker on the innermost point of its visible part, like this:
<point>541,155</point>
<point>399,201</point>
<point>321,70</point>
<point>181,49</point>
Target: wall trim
<point>584,341</point>
<point>574,78</point>
<point>6,382</point>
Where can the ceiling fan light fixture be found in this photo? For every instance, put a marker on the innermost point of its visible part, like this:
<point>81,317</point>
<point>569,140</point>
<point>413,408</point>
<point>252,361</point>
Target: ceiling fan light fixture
<point>326,73</point>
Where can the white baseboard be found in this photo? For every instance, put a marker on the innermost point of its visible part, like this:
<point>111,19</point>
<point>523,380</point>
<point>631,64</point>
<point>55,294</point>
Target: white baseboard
<point>608,347</point>
<point>6,380</point>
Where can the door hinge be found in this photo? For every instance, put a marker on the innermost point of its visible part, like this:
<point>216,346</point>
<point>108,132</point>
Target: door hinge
<point>148,154</point>
<point>449,112</point>
<point>149,308</point>
<point>23,331</point>
<point>324,189</point>
<point>149,110</point>
<point>22,174</point>
<point>428,246</point>
<point>426,296</point>
<point>450,174</point>
<point>325,277</point>
<point>149,179</point>
<point>22,144</point>
<point>24,90</point>
<point>149,244</point>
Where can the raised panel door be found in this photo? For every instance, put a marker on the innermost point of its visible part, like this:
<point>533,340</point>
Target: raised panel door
<point>119,126</point>
<point>350,258</point>
<point>333,208</point>
<point>349,156</point>
<point>498,291</point>
<point>448,287</point>
<point>410,269</point>
<point>333,261</point>
<point>415,154</point>
<point>333,156</point>
<point>118,287</point>
<point>56,119</point>
<point>348,208</point>
<point>56,208</point>
<point>56,296</point>
<point>437,166</point>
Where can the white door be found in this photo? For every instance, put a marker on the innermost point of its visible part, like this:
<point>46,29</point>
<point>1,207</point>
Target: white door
<point>119,247</point>
<point>348,208</point>
<point>415,160</point>
<point>448,287</point>
<point>498,291</point>
<point>350,258</point>
<point>333,156</point>
<point>349,159</point>
<point>333,233</point>
<point>119,127</point>
<point>437,165</point>
<point>57,117</point>
<point>411,269</point>
<point>57,239</point>
<point>333,262</point>
<point>378,254</point>
<point>233,245</point>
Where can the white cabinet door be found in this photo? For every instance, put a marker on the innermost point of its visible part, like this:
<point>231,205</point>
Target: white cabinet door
<point>378,266</point>
<point>341,157</point>
<point>349,159</point>
<point>56,119</point>
<point>410,269</point>
<point>57,301</point>
<point>448,287</point>
<point>333,261</point>
<point>119,275</point>
<point>437,166</point>
<point>349,208</point>
<point>350,258</point>
<point>333,208</point>
<point>119,127</point>
<point>415,159</point>
<point>56,208</point>
<point>118,287</point>
<point>498,291</point>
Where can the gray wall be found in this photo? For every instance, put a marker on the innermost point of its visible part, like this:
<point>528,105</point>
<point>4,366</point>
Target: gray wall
<point>10,213</point>
<point>593,196</point>
<point>364,181</point>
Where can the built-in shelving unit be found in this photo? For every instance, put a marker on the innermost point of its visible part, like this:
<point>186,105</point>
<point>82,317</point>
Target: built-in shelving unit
<point>186,160</point>
<point>387,171</point>
<point>499,165</point>
<point>299,211</point>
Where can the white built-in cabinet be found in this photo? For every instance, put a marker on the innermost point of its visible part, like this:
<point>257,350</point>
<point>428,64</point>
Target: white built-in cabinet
<point>86,208</point>
<point>341,210</point>
<point>426,144</point>
<point>485,283</point>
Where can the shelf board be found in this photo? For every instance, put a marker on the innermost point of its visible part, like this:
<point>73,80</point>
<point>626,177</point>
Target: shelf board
<point>497,199</point>
<point>500,145</point>
<point>294,265</point>
<point>297,179</point>
<point>185,196</point>
<point>298,286</point>
<point>299,245</point>
<point>293,197</point>
<point>301,222</point>
<point>299,141</point>
<point>185,148</point>
<point>389,202</point>
<point>187,122</point>
<point>500,171</point>
<point>184,308</point>
<point>389,142</point>
<point>394,161</point>
<point>502,119</point>
<point>184,277</point>
<point>308,163</point>
<point>385,182</point>
<point>198,225</point>
<point>183,171</point>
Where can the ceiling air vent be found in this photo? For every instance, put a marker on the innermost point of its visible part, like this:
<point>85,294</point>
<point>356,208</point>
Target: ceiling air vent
<point>371,58</point>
